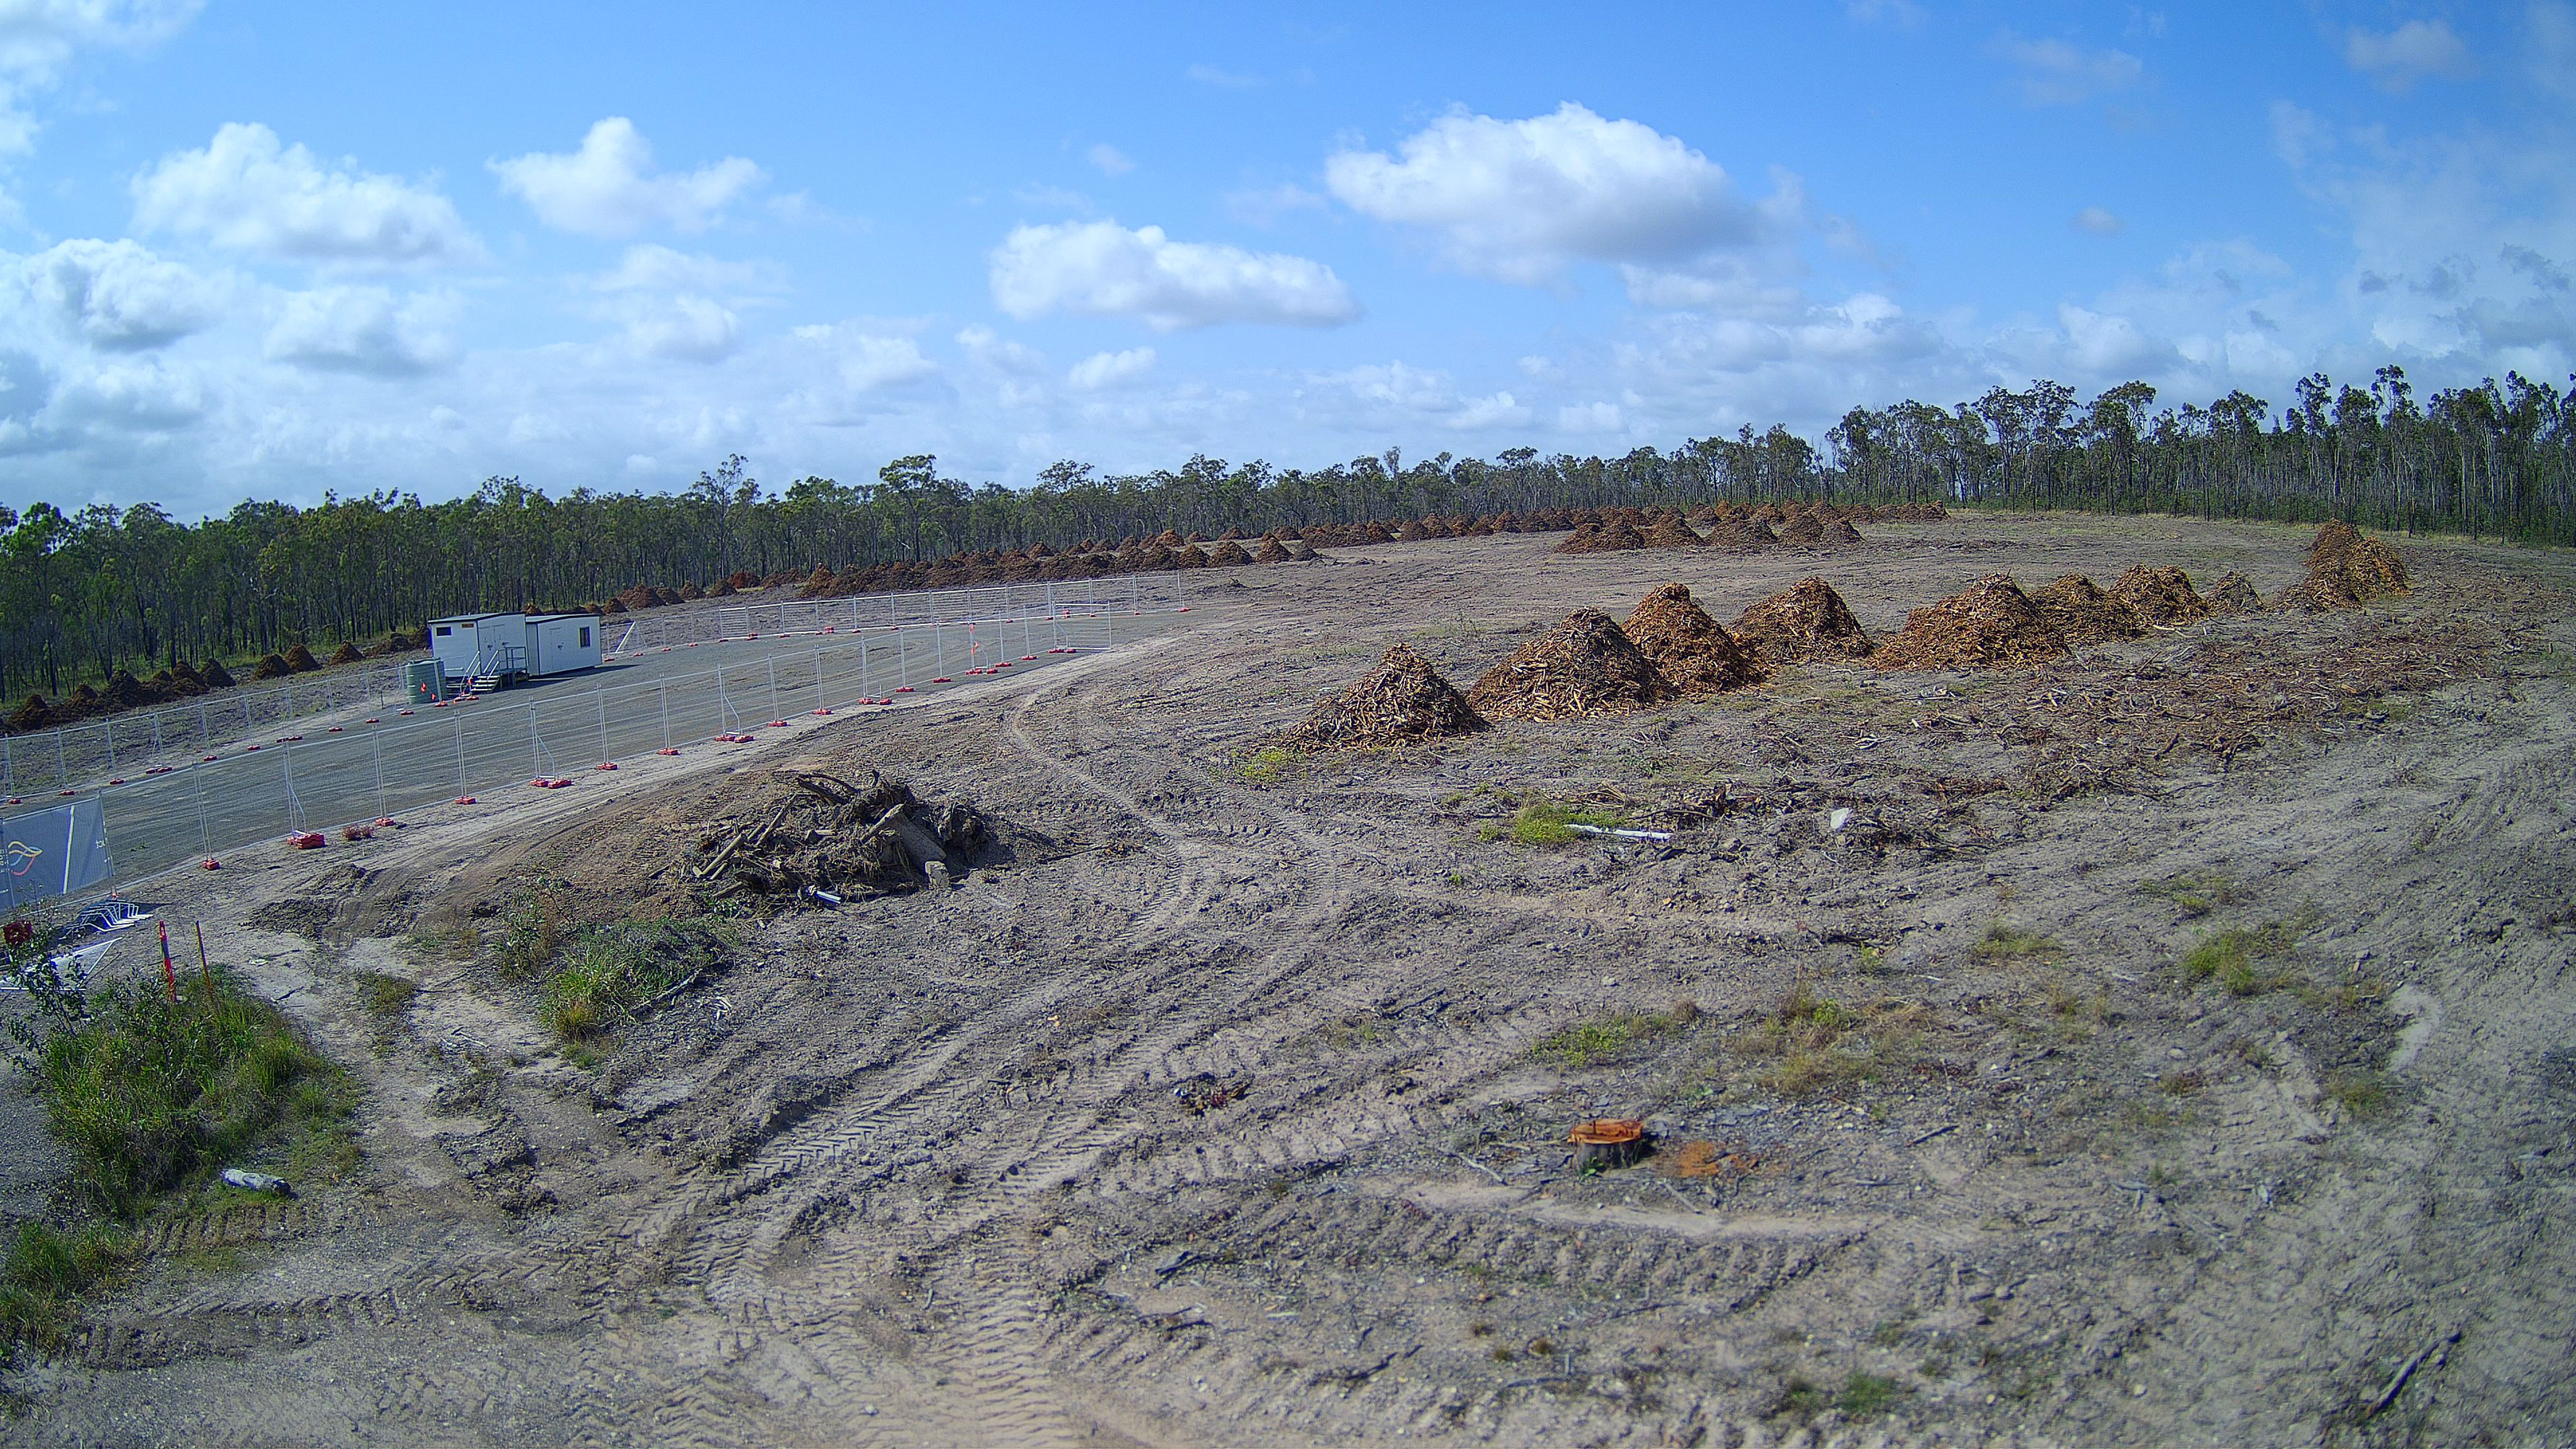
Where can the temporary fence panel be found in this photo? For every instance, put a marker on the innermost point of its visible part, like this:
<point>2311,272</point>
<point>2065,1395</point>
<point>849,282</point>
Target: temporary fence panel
<point>54,852</point>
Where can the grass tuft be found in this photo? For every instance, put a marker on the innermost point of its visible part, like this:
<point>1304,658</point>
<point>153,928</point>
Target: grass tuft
<point>1606,1037</point>
<point>46,1271</point>
<point>384,995</point>
<point>1546,823</point>
<point>2004,941</point>
<point>613,970</point>
<point>1818,1043</point>
<point>1866,1396</point>
<point>2241,958</point>
<point>2193,892</point>
<point>1264,765</point>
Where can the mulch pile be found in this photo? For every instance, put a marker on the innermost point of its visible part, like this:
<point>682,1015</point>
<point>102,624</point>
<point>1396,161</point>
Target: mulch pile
<point>1228,553</point>
<point>1806,621</point>
<point>2345,571</point>
<point>2083,614</point>
<point>1615,537</point>
<point>1669,531</point>
<point>1990,624</point>
<point>347,653</point>
<point>271,667</point>
<point>1402,701</point>
<point>821,832</point>
<point>1693,650</point>
<point>1583,666</point>
<point>1801,527</point>
<point>301,660</point>
<point>2161,596</point>
<point>1737,535</point>
<point>2232,594</point>
<point>1842,534</point>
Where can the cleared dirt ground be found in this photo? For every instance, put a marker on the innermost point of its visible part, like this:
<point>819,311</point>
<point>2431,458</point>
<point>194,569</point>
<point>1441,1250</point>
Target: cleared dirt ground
<point>1232,1111</point>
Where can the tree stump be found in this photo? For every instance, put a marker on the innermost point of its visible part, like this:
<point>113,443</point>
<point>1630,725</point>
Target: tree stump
<point>1608,1142</point>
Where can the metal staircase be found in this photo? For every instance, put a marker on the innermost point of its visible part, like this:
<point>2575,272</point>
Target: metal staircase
<point>495,667</point>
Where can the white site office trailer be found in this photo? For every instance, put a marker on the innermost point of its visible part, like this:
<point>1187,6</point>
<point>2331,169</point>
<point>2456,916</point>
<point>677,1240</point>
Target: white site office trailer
<point>466,645</point>
<point>561,643</point>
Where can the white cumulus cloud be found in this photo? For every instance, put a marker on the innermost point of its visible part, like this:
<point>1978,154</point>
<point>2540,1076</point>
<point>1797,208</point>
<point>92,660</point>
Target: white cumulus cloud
<point>1519,200</point>
<point>365,330</point>
<point>1110,160</point>
<point>859,369</point>
<point>993,350</point>
<point>2099,222</point>
<point>2061,73</point>
<point>247,192</point>
<point>2414,50</point>
<point>1102,269</point>
<point>1111,369</point>
<point>609,188</point>
<point>37,37</point>
<point>117,296</point>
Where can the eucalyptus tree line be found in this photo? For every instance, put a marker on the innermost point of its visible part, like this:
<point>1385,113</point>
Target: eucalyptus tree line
<point>85,593</point>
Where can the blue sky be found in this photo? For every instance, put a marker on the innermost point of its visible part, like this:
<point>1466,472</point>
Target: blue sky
<point>265,251</point>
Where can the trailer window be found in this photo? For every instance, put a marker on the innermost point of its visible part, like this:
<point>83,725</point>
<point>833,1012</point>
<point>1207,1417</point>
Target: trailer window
<point>585,637</point>
<point>442,631</point>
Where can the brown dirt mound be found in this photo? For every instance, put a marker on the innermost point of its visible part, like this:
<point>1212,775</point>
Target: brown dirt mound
<point>1736,536</point>
<point>215,675</point>
<point>1692,649</point>
<point>301,660</point>
<point>1843,534</point>
<point>1807,621</point>
<point>2161,596</point>
<point>1615,537</point>
<point>1670,531</point>
<point>1270,552</point>
<point>1402,701</point>
<point>1583,666</point>
<point>347,653</point>
<point>2232,594</point>
<point>1228,553</point>
<point>1801,527</point>
<point>2083,614</point>
<point>1990,624</point>
<point>271,667</point>
<point>124,691</point>
<point>33,715</point>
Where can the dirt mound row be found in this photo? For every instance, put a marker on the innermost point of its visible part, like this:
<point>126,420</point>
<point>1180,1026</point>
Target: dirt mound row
<point>1404,700</point>
<point>1670,531</point>
<point>1989,624</point>
<point>1693,650</point>
<point>1805,621</point>
<point>2160,595</point>
<point>2083,614</point>
<point>1583,666</point>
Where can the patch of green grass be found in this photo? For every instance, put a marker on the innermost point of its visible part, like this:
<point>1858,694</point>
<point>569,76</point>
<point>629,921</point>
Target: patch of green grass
<point>2359,1091</point>
<point>446,943</point>
<point>1264,765</point>
<point>2005,941</point>
<point>1800,1397</point>
<point>1866,1396</point>
<point>534,929</point>
<point>1546,823</point>
<point>2193,892</point>
<point>612,970</point>
<point>46,1272</point>
<point>1606,1037</point>
<point>148,1093</point>
<point>1817,1043</point>
<point>2241,958</point>
<point>384,995</point>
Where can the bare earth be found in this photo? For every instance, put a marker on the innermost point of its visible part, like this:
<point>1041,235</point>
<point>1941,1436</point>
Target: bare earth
<point>1950,1147</point>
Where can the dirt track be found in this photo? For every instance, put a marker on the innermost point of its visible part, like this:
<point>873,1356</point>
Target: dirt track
<point>916,1171</point>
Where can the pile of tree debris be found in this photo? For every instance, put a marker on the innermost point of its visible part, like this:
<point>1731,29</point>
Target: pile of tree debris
<point>825,839</point>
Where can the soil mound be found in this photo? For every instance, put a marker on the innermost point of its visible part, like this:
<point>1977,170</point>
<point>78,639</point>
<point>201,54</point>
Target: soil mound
<point>124,691</point>
<point>1807,621</point>
<point>1736,536</point>
<point>1801,527</point>
<point>822,833</point>
<point>1693,650</point>
<point>271,667</point>
<point>1670,531</point>
<point>1402,701</point>
<point>1270,552</point>
<point>2232,594</point>
<point>215,675</point>
<point>1583,666</point>
<point>1990,624</point>
<point>2161,596</point>
<point>2083,614</point>
<point>1842,534</point>
<point>347,653</point>
<point>1616,537</point>
<point>1228,553</point>
<point>33,715</point>
<point>301,660</point>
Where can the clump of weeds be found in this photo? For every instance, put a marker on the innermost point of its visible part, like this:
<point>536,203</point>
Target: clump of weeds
<point>2004,941</point>
<point>2193,892</point>
<point>1605,1037</point>
<point>1550,823</point>
<point>2246,959</point>
<point>1815,1042</point>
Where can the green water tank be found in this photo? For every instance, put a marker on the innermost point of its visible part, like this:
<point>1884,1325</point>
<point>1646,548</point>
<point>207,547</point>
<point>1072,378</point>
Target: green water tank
<point>423,681</point>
